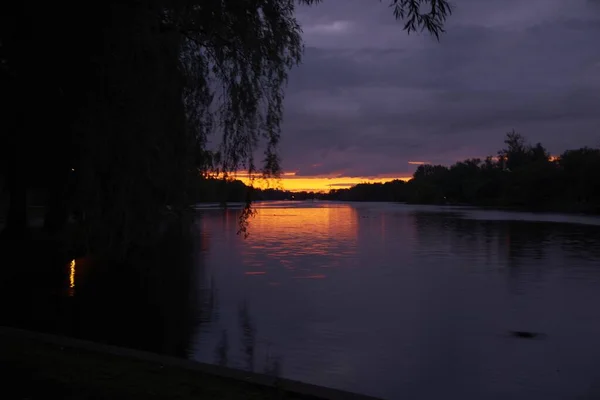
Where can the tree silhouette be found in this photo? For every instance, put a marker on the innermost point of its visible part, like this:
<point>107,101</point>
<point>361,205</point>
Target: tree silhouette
<point>110,111</point>
<point>523,176</point>
<point>569,182</point>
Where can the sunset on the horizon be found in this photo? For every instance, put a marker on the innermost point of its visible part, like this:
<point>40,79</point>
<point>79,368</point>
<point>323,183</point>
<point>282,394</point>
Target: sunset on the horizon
<point>290,181</point>
<point>300,199</point>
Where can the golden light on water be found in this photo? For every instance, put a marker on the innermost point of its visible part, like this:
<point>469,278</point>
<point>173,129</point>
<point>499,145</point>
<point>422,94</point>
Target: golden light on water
<point>286,236</point>
<point>72,278</point>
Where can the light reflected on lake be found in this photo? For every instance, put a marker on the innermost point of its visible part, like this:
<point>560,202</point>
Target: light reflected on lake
<point>72,265</point>
<point>287,237</point>
<point>389,300</point>
<point>385,299</point>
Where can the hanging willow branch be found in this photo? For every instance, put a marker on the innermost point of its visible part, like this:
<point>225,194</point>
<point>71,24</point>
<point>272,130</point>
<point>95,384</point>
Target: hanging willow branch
<point>239,53</point>
<point>157,81</point>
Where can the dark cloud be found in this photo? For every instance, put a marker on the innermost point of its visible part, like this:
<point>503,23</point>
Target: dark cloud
<point>368,98</point>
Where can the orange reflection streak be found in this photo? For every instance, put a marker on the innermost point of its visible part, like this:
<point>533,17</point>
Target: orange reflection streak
<point>287,235</point>
<point>72,278</point>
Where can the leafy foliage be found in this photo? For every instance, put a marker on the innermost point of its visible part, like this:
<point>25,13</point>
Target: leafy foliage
<point>536,181</point>
<point>523,176</point>
<point>134,95</point>
<point>389,191</point>
<point>432,20</point>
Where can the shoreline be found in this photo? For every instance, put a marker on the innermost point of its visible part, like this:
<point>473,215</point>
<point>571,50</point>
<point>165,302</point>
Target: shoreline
<point>40,364</point>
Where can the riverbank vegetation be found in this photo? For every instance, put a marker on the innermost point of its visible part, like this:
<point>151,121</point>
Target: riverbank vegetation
<point>141,98</point>
<point>520,176</point>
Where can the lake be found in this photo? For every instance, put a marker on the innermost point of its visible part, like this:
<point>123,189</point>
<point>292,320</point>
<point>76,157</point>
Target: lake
<point>389,300</point>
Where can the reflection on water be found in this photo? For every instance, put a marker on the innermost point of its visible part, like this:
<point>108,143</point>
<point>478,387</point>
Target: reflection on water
<point>222,350</point>
<point>411,296</point>
<point>72,277</point>
<point>287,236</point>
<point>282,239</point>
<point>272,363</point>
<point>248,336</point>
<point>154,302</point>
<point>382,299</point>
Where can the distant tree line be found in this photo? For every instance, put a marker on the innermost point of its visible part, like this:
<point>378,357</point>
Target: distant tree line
<point>520,176</point>
<point>210,190</point>
<point>395,190</point>
<point>108,107</point>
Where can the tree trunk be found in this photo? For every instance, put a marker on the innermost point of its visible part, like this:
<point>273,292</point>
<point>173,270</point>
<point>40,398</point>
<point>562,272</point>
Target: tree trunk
<point>57,208</point>
<point>16,221</point>
<point>56,213</point>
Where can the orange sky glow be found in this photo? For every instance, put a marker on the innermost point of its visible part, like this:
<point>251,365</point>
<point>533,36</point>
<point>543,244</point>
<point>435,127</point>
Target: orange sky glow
<point>289,181</point>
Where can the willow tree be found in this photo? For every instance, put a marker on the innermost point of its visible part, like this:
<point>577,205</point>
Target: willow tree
<point>141,88</point>
<point>240,53</point>
<point>236,57</point>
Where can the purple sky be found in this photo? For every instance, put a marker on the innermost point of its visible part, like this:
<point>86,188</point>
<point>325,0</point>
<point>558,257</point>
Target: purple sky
<point>369,98</point>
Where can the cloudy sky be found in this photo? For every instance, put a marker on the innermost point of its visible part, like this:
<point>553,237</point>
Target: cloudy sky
<point>369,98</point>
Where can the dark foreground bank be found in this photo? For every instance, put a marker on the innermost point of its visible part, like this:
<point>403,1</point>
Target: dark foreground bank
<point>40,366</point>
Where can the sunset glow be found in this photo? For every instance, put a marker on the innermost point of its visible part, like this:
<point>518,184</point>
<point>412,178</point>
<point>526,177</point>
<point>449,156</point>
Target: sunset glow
<point>289,181</point>
<point>275,229</point>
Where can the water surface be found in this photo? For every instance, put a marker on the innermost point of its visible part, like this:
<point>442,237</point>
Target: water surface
<point>389,300</point>
<point>395,300</point>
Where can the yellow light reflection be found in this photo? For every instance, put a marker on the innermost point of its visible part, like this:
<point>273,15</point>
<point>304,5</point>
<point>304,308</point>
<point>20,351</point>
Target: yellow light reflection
<point>325,235</point>
<point>72,278</point>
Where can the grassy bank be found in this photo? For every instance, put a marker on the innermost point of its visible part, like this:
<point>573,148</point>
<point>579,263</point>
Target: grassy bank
<point>37,366</point>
